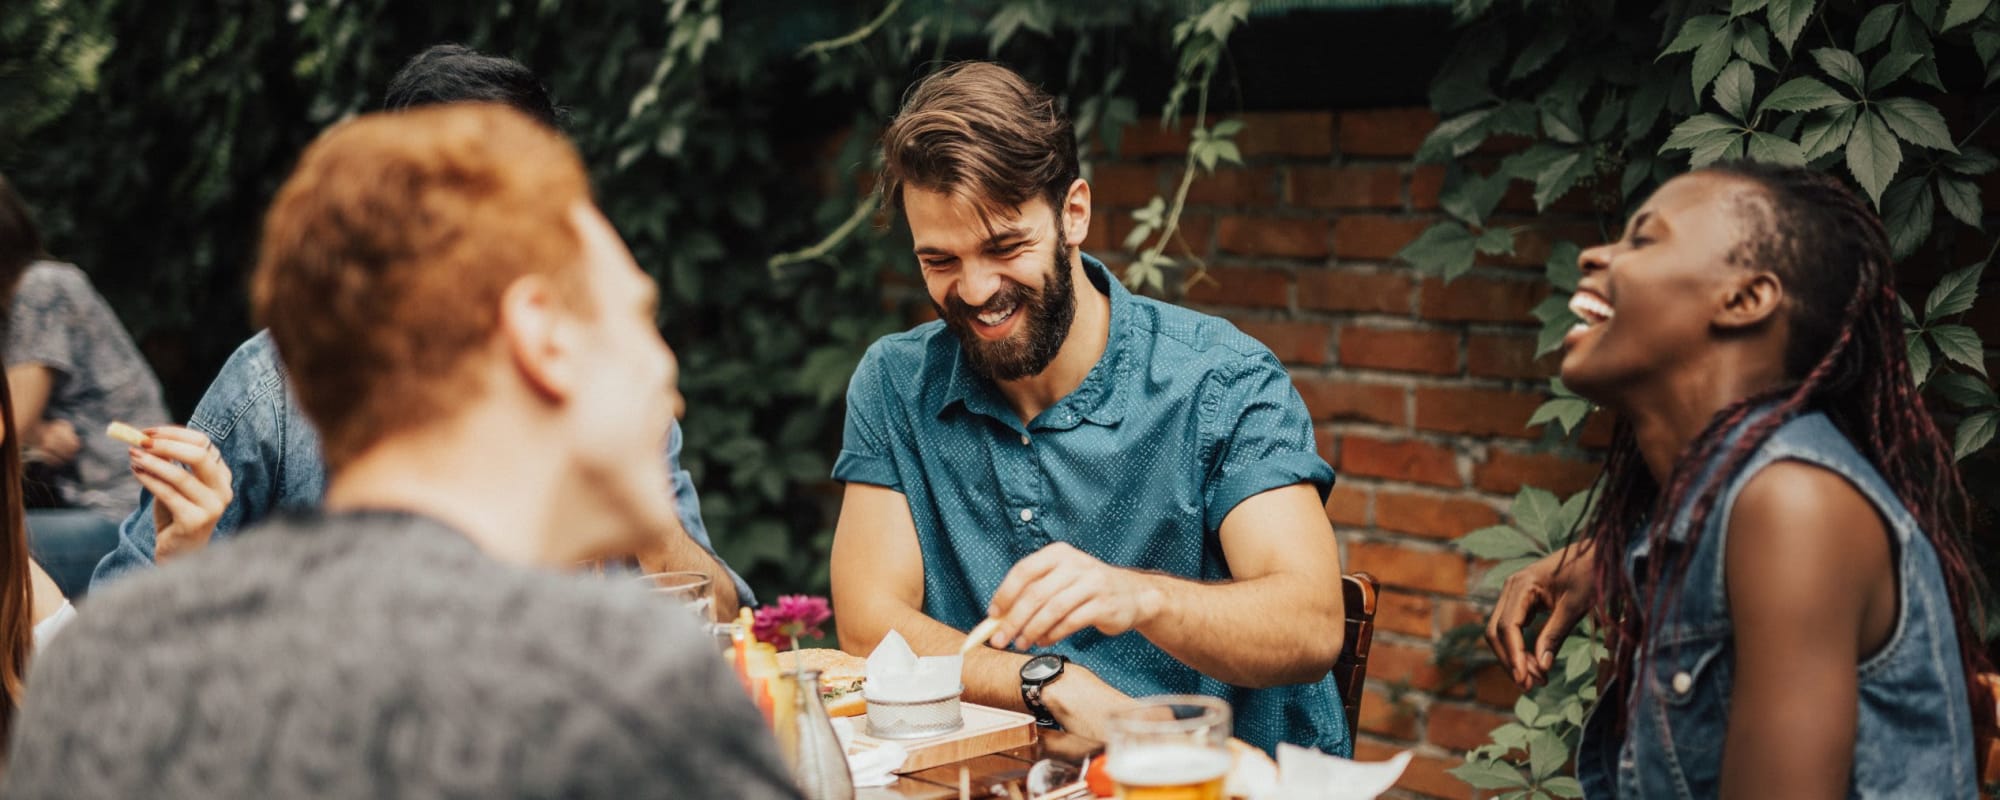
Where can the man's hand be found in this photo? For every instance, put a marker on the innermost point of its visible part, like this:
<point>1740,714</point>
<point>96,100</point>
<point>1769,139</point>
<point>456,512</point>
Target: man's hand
<point>1061,590</point>
<point>190,484</point>
<point>56,441</point>
<point>1083,703</point>
<point>1561,584</point>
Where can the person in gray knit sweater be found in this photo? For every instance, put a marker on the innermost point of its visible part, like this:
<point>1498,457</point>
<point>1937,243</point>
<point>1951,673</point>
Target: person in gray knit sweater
<point>479,352</point>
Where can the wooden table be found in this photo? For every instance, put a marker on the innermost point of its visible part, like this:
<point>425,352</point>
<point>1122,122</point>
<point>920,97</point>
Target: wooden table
<point>1007,767</point>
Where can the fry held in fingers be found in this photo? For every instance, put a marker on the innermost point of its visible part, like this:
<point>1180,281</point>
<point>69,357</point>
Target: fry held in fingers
<point>127,434</point>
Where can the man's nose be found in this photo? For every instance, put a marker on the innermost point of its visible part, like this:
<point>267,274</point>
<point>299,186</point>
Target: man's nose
<point>979,284</point>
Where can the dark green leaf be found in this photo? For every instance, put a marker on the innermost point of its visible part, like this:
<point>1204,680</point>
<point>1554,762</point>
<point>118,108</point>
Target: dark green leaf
<point>1803,94</point>
<point>1647,101</point>
<point>1960,344</point>
<point>1695,132</point>
<point>1841,66</point>
<point>1561,268</point>
<point>1965,391</point>
<point>1709,59</point>
<point>1446,247</point>
<point>1558,178</point>
<point>1538,51</point>
<point>1873,155</point>
<point>1788,20</point>
<point>1908,212</point>
<point>1738,8</point>
<point>1499,542</point>
<point>1526,710</point>
<point>1974,433</point>
<point>1536,511</point>
<point>1920,357</point>
<point>1911,36</point>
<point>1489,775</point>
<point>1917,122</point>
<point>1753,44</point>
<point>1954,293</point>
<point>1987,44</point>
<point>1547,753</point>
<point>1961,12</point>
<point>1605,121</point>
<point>1466,79</point>
<point>1875,27</point>
<point>1495,242</point>
<point>1961,198</point>
<point>1827,131</point>
<point>1696,32</point>
<point>1562,127</point>
<point>1563,786</point>
<point>1453,137</point>
<point>1529,164</point>
<point>1971,161</point>
<point>1474,197</point>
<point>1734,89</point>
<point>1891,67</point>
<point>1772,149</point>
<point>1927,10</point>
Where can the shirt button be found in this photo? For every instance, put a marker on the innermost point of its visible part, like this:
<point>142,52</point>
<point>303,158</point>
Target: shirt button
<point>1683,682</point>
<point>1027,515</point>
<point>1024,438</point>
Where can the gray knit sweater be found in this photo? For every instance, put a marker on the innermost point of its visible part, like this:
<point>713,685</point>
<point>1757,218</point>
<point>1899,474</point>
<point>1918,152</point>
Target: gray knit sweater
<point>382,655</point>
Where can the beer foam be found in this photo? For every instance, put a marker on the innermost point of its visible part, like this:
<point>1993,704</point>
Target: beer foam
<point>1167,765</point>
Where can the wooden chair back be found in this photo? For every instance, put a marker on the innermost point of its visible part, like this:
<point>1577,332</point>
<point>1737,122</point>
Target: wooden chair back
<point>1351,671</point>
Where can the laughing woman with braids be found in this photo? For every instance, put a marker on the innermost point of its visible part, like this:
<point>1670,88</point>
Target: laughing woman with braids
<point>1774,552</point>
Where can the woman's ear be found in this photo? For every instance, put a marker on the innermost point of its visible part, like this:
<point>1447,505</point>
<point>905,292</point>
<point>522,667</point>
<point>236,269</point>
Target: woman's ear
<point>1753,300</point>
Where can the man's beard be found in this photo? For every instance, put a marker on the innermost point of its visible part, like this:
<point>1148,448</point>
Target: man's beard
<point>1044,328</point>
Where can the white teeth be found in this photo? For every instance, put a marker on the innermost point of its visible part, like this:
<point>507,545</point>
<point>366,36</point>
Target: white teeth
<point>996,317</point>
<point>1590,308</point>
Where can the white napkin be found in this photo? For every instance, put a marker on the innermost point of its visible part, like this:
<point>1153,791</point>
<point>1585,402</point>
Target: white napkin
<point>1308,774</point>
<point>874,766</point>
<point>896,674</point>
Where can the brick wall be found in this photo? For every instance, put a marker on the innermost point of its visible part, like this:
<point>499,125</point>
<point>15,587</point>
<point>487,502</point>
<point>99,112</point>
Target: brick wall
<point>1419,389</point>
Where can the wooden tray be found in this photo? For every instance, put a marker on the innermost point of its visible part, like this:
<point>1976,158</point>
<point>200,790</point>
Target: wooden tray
<point>987,730</point>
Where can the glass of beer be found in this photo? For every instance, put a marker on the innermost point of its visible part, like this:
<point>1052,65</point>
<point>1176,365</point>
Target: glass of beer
<point>1172,747</point>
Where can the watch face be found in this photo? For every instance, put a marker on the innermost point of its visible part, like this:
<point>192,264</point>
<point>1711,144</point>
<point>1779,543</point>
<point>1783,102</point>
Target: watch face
<point>1041,668</point>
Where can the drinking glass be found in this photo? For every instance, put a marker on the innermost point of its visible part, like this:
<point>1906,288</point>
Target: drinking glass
<point>1171,747</point>
<point>692,589</point>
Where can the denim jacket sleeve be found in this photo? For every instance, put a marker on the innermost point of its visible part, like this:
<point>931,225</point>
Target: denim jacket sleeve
<point>688,505</point>
<point>273,455</point>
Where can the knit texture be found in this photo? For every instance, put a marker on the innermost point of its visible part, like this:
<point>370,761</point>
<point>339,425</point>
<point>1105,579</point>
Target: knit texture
<point>382,655</point>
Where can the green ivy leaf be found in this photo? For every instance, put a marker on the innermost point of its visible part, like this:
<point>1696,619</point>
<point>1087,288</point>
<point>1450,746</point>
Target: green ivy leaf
<point>1971,161</point>
<point>1700,131</point>
<point>1961,344</point>
<point>1497,575</point>
<point>1563,786</point>
<point>1961,198</point>
<point>1558,178</point>
<point>1566,412</point>
<point>1803,94</point>
<point>1917,122</point>
<point>1738,8</point>
<point>1696,32</point>
<point>1550,339</point>
<point>1911,35</point>
<point>1987,44</point>
<point>1961,12</point>
<point>1453,137</point>
<point>1772,149</point>
<point>1446,247</point>
<point>1873,155</point>
<point>1974,433</point>
<point>1538,51</point>
<point>1965,391</point>
<point>1927,11</point>
<point>1648,99</point>
<point>1753,44</point>
<point>1709,59</point>
<point>1920,356</point>
<point>1954,293</point>
<point>1526,711</point>
<point>1535,511</point>
<point>1788,20</point>
<point>1499,542</point>
<point>1494,242</point>
<point>1734,89</point>
<point>1489,775</point>
<point>1825,132</point>
<point>1890,68</point>
<point>1875,27</point>
<point>1561,268</point>
<point>1841,66</point>
<point>1547,753</point>
<point>1473,198</point>
<point>1909,214</point>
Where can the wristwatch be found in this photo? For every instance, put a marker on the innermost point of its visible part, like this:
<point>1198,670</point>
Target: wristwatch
<point>1039,672</point>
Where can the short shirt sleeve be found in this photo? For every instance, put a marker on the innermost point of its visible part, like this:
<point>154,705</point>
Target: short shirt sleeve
<point>865,455</point>
<point>1264,439</point>
<point>44,322</point>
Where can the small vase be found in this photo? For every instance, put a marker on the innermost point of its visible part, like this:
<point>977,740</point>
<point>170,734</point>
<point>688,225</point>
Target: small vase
<point>819,765</point>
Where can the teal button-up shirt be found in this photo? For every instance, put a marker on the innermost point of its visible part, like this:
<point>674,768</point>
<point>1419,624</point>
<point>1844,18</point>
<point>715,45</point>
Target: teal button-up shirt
<point>1182,418</point>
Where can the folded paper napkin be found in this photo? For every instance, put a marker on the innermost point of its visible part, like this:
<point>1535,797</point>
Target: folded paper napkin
<point>875,765</point>
<point>896,674</point>
<point>1308,774</point>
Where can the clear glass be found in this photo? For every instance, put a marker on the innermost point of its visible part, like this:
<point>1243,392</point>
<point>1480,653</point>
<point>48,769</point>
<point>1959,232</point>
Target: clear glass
<point>693,589</point>
<point>819,764</point>
<point>1171,747</point>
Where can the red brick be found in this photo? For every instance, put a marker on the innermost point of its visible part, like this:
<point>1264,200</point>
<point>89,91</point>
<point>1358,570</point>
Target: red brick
<point>1494,687</point>
<point>1405,460</point>
<point>1235,186</point>
<point>1402,350</point>
<point>1347,187</point>
<point>1338,399</point>
<point>1293,342</point>
<point>1286,133</point>
<point>1477,299</point>
<point>1404,613</point>
<point>1505,472</point>
<point>1119,184</point>
<point>1598,429</point>
<point>1373,237</point>
<point>1195,234</point>
<point>1490,355</point>
<point>1326,442</point>
<point>1533,241</point>
<point>1396,663</point>
<point>1476,412</point>
<point>1431,516</point>
<point>1426,184</point>
<point>1148,138</point>
<point>1438,570</point>
<point>1353,290</point>
<point>1272,236</point>
<point>1381,717</point>
<point>1427,775</point>
<point>1347,505</point>
<point>1385,132</point>
<point>1242,286</point>
<point>1107,232</point>
<point>1461,727</point>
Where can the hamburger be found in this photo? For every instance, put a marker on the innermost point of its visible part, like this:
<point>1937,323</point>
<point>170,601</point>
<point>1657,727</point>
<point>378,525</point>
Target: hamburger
<point>840,677</point>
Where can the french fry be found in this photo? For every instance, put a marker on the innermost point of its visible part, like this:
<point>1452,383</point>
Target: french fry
<point>980,633</point>
<point>126,433</point>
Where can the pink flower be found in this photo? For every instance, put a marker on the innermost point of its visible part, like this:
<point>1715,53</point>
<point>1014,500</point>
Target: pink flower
<point>793,616</point>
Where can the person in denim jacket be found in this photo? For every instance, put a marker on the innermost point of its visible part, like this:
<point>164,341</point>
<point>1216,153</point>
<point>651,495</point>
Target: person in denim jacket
<point>274,453</point>
<point>1774,553</point>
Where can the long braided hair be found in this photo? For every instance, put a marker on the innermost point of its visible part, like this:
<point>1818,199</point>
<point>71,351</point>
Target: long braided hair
<point>1831,252</point>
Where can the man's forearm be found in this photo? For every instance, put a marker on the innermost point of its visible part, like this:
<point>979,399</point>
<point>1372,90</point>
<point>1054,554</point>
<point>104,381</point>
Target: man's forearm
<point>992,677</point>
<point>1267,631</point>
<point>677,552</point>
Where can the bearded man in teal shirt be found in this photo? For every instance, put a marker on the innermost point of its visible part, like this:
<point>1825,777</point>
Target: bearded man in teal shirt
<point>1130,488</point>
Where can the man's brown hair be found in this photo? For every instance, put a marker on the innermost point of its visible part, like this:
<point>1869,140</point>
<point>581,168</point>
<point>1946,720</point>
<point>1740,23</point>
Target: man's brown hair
<point>979,132</point>
<point>386,253</point>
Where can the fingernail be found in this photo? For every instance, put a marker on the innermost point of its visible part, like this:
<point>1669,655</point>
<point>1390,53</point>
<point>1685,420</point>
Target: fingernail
<point>148,444</point>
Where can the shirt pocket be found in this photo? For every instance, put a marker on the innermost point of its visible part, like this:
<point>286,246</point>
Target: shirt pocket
<point>1686,712</point>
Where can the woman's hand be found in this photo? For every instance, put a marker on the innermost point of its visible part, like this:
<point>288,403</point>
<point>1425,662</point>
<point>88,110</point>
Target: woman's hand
<point>1561,584</point>
<point>190,485</point>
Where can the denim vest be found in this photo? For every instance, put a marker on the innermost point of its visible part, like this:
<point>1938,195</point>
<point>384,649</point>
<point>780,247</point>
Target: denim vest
<point>1913,736</point>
